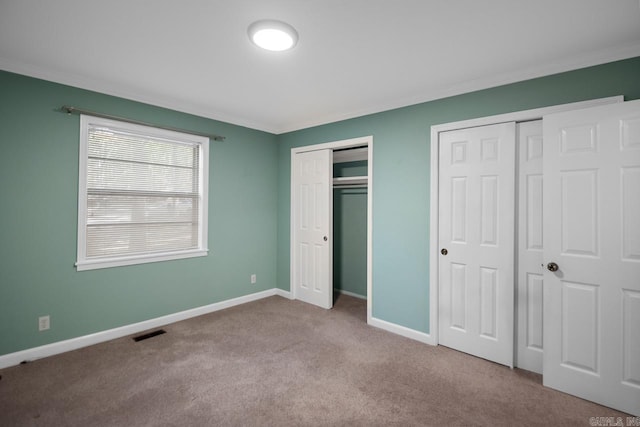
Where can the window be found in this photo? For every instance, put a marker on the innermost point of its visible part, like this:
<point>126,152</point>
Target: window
<point>142,194</point>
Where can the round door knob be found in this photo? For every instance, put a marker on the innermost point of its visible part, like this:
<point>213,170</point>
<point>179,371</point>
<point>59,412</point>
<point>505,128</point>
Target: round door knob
<point>552,266</point>
<point>444,251</point>
<point>325,238</point>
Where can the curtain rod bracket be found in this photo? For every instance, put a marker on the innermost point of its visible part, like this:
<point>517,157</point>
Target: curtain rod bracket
<point>73,110</point>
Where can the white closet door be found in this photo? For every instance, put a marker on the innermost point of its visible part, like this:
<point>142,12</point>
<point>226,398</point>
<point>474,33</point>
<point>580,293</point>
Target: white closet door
<point>313,222</point>
<point>476,237</point>
<point>530,244</point>
<point>592,232</point>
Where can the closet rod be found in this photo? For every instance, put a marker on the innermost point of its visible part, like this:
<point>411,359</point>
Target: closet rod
<point>73,110</point>
<point>350,186</point>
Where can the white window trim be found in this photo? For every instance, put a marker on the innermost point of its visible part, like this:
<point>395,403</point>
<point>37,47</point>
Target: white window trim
<point>82,262</point>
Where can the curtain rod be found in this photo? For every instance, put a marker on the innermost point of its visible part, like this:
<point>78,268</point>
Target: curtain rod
<point>73,110</point>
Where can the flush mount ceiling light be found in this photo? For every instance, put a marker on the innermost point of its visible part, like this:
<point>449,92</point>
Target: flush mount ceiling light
<point>273,35</point>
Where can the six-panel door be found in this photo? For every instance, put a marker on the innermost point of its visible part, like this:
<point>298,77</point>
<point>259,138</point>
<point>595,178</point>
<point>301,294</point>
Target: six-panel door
<point>476,268</point>
<point>592,232</point>
<point>313,214</point>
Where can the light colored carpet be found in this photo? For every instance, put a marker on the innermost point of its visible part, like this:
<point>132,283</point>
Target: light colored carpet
<point>276,362</point>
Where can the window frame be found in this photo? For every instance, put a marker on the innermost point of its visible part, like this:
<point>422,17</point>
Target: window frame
<point>84,263</point>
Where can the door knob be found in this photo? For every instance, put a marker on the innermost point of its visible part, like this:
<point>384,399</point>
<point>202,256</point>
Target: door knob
<point>444,251</point>
<point>552,266</point>
<point>325,238</point>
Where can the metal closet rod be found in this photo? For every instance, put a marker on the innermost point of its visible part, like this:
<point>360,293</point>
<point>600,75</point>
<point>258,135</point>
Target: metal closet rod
<point>73,110</point>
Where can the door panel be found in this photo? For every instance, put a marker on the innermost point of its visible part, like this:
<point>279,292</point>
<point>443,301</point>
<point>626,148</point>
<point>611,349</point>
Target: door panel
<point>579,212</point>
<point>477,229</point>
<point>530,244</point>
<point>312,259</point>
<point>630,213</point>
<point>631,337</point>
<point>591,210</point>
<point>580,308</point>
<point>488,302</point>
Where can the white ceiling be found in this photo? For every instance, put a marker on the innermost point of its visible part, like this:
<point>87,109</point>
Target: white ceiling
<point>354,57</point>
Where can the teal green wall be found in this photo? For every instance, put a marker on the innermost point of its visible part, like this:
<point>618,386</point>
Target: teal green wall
<point>38,212</point>
<point>248,205</point>
<point>401,167</point>
<point>350,232</point>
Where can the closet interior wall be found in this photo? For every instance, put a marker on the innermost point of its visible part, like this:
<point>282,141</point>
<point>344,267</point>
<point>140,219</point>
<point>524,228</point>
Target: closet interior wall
<point>350,227</point>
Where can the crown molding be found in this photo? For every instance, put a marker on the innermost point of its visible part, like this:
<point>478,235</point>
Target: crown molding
<point>96,85</point>
<point>129,93</point>
<point>560,66</point>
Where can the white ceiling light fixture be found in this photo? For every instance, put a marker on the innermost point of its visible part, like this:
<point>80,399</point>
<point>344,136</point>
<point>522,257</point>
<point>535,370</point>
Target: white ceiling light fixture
<point>273,35</point>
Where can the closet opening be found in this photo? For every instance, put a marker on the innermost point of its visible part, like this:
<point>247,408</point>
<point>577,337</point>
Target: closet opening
<point>331,222</point>
<point>350,192</point>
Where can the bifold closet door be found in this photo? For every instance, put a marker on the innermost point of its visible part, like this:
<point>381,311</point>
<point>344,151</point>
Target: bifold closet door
<point>313,223</point>
<point>592,254</point>
<point>476,240</point>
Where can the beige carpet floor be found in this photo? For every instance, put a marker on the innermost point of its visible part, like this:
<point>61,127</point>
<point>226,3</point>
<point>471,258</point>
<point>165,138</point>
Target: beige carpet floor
<point>276,362</point>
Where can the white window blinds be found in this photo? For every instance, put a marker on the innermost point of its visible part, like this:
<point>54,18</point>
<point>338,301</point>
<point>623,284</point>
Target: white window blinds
<point>142,194</point>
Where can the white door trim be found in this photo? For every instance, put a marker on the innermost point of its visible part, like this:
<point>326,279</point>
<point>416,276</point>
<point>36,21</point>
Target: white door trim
<point>354,142</point>
<point>519,116</point>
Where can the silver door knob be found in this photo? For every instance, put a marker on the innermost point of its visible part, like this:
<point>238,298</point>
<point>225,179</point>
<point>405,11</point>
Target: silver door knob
<point>552,266</point>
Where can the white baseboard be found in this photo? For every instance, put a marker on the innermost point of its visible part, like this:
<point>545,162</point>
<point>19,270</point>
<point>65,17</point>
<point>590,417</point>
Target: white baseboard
<point>403,331</point>
<point>351,294</point>
<point>35,353</point>
<point>283,293</point>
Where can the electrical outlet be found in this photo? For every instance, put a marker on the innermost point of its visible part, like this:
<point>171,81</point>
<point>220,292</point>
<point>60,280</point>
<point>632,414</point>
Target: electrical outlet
<point>44,323</point>
<point>254,279</point>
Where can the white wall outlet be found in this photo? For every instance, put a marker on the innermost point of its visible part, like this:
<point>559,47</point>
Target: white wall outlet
<point>44,323</point>
<point>254,279</point>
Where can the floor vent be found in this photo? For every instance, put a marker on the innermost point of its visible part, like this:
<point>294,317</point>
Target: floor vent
<point>149,335</point>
